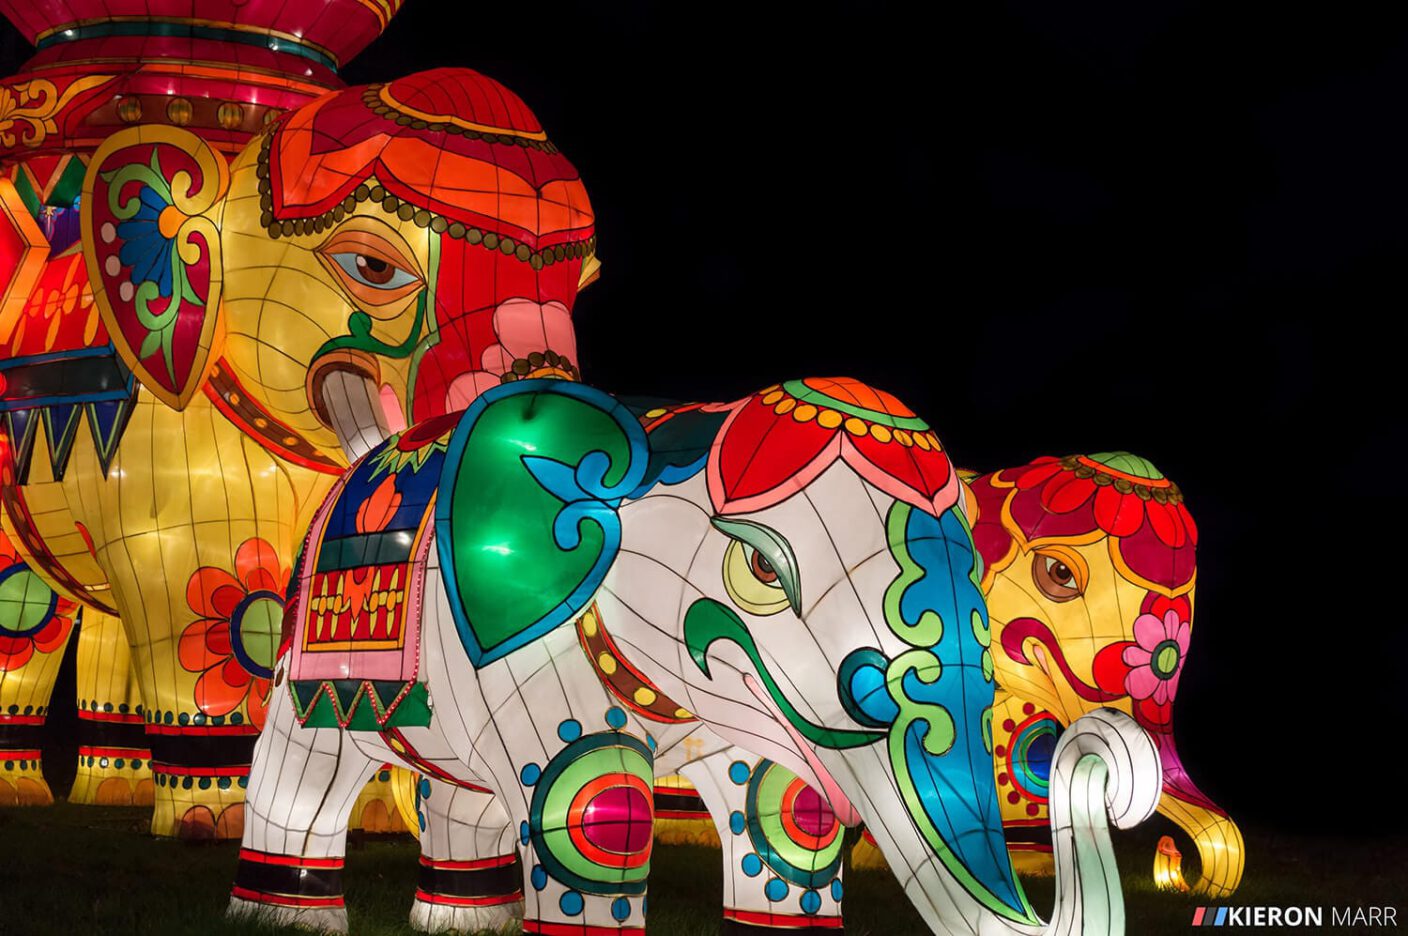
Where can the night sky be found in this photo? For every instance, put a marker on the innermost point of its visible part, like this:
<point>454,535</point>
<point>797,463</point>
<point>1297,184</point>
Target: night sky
<point>1172,228</point>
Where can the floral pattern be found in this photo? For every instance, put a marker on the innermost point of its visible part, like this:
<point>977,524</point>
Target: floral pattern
<point>32,617</point>
<point>534,340</point>
<point>1156,656</point>
<point>1147,668</point>
<point>1122,500</point>
<point>149,230</point>
<point>234,641</point>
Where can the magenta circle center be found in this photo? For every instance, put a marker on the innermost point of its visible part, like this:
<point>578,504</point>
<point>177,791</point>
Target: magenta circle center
<point>813,814</point>
<point>618,820</point>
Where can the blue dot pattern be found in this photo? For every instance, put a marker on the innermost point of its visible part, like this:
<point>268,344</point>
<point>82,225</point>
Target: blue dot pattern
<point>620,909</point>
<point>811,902</point>
<point>570,730</point>
<point>570,903</point>
<point>539,877</point>
<point>837,890</point>
<point>752,865</point>
<point>776,890</point>
<point>616,717</point>
<point>530,774</point>
<point>738,772</point>
<point>737,823</point>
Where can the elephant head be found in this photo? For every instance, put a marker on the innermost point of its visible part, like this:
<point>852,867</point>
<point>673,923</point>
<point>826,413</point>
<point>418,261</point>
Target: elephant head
<point>795,569</point>
<point>1090,572</point>
<point>378,256</point>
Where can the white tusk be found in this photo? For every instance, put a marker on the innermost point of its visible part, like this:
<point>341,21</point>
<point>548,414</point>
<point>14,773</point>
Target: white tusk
<point>353,406</point>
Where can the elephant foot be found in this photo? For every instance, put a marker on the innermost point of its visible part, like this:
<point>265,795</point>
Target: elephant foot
<point>376,810</point>
<point>112,775</point>
<point>752,923</point>
<point>289,890</point>
<point>22,780</point>
<point>318,919</point>
<point>200,781</point>
<point>431,914</point>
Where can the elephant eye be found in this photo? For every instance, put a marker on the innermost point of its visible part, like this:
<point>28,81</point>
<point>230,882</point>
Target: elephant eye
<point>372,268</point>
<point>760,572</point>
<point>1059,576</point>
<point>760,567</point>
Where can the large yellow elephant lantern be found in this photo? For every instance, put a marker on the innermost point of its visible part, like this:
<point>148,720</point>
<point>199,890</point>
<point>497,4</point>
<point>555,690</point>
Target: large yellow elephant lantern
<point>1090,573</point>
<point>373,258</point>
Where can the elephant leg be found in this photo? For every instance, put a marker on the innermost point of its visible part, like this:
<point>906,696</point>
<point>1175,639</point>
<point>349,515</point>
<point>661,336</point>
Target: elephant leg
<point>302,785</point>
<point>195,527</point>
<point>574,771</point>
<point>35,627</point>
<point>114,761</point>
<point>781,845</point>
<point>470,878</point>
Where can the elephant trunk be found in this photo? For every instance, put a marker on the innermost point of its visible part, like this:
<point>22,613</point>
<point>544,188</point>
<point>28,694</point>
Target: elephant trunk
<point>1219,841</point>
<point>1105,769</point>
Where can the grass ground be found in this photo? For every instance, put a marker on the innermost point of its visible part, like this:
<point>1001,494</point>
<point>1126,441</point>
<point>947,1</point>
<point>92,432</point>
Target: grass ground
<point>74,869</point>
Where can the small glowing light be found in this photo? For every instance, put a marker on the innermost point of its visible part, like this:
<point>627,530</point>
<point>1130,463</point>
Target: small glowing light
<point>499,549</point>
<point>68,33</point>
<point>526,446</point>
<point>1168,866</point>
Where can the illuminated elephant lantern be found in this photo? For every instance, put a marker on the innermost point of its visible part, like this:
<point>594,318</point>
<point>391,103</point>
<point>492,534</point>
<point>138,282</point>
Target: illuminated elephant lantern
<point>380,255</point>
<point>1090,569</point>
<point>794,569</point>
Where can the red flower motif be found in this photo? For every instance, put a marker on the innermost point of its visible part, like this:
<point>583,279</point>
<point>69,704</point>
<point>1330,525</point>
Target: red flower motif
<point>233,641</point>
<point>781,439</point>
<point>32,617</point>
<point>1053,499</point>
<point>1120,508</point>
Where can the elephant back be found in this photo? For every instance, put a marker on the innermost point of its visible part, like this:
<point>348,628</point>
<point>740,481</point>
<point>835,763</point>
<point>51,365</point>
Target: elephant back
<point>527,518</point>
<point>354,645</point>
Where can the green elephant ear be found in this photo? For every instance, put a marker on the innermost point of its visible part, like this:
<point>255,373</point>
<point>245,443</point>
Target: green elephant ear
<point>526,517</point>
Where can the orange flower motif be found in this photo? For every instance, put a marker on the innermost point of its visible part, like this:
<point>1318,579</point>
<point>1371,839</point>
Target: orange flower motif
<point>378,509</point>
<point>32,616</point>
<point>234,642</point>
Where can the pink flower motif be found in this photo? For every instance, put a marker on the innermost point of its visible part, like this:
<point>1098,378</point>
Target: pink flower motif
<point>534,340</point>
<point>523,327</point>
<point>1156,657</point>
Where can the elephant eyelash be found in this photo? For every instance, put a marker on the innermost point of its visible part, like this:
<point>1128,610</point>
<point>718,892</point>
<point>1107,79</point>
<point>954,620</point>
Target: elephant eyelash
<point>771,546</point>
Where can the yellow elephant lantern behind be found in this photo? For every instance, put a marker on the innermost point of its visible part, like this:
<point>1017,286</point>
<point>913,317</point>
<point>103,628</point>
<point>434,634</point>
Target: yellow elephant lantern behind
<point>375,257</point>
<point>1090,572</point>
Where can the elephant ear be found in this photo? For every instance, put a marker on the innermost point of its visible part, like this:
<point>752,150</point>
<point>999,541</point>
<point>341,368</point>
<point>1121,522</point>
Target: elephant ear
<point>526,515</point>
<point>151,236</point>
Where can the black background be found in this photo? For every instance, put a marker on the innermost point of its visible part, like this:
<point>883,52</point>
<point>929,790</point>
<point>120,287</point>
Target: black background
<point>1172,228</point>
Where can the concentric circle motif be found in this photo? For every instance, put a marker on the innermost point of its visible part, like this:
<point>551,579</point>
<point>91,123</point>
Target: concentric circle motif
<point>27,604</point>
<point>256,627</point>
<point>792,827</point>
<point>592,814</point>
<point>1029,756</point>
